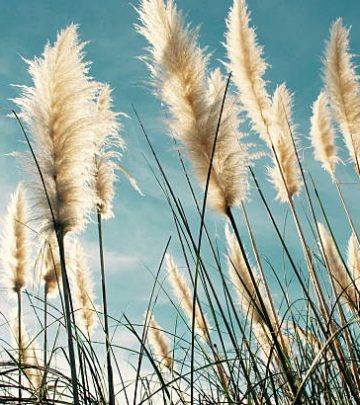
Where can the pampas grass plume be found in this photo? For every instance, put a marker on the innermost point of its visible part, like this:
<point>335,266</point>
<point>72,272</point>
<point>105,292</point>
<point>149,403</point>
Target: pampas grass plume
<point>160,344</point>
<point>183,293</point>
<point>240,278</point>
<point>179,73</point>
<point>15,242</point>
<point>59,111</point>
<point>51,273</point>
<point>285,173</point>
<point>343,283</point>
<point>229,178</point>
<point>353,259</point>
<point>342,86</point>
<point>248,300</point>
<point>28,352</point>
<point>107,139</point>
<point>83,292</point>
<point>248,67</point>
<point>322,135</point>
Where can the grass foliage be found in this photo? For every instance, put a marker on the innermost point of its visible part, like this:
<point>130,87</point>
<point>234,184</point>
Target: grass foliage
<point>244,330</point>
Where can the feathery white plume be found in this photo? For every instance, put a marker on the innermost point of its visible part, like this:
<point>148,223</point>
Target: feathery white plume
<point>239,276</point>
<point>354,259</point>
<point>342,281</point>
<point>51,273</point>
<point>107,139</point>
<point>160,344</point>
<point>183,293</point>
<point>28,352</point>
<point>285,173</point>
<point>322,134</point>
<point>248,299</point>
<point>342,85</point>
<point>83,292</point>
<point>248,67</point>
<point>15,242</point>
<point>60,113</point>
<point>178,67</point>
<point>228,182</point>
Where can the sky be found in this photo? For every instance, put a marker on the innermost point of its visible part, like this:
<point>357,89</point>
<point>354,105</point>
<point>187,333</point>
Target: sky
<point>293,33</point>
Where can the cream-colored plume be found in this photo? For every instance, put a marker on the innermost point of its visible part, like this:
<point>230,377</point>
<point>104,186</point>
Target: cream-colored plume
<point>354,260</point>
<point>285,172</point>
<point>108,141</point>
<point>59,111</point>
<point>229,180</point>
<point>184,295</point>
<point>307,337</point>
<point>15,242</point>
<point>160,344</point>
<point>51,273</point>
<point>83,292</point>
<point>248,299</point>
<point>240,278</point>
<point>343,283</point>
<point>322,135</point>
<point>342,85</point>
<point>248,67</point>
<point>28,353</point>
<point>179,71</point>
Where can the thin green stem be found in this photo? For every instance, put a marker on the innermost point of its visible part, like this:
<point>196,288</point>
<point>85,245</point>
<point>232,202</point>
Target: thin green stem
<point>106,322</point>
<point>45,339</point>
<point>279,350</point>
<point>20,346</point>
<point>197,269</point>
<point>348,216</point>
<point>66,291</point>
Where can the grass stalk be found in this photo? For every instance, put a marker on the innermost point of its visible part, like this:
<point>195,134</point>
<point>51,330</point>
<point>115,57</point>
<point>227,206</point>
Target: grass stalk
<point>196,276</point>
<point>338,355</point>
<point>146,321</point>
<point>45,342</point>
<point>258,260</point>
<point>105,308</point>
<point>347,213</point>
<point>65,283</point>
<point>67,315</point>
<point>20,345</point>
<point>203,273</point>
<point>274,335</point>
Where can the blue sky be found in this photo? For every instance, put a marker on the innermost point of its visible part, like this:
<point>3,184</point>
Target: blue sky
<point>293,33</point>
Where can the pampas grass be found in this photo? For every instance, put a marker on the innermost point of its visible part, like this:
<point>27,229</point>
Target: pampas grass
<point>241,280</point>
<point>343,281</point>
<point>353,262</point>
<point>285,173</point>
<point>84,299</point>
<point>180,79</point>
<point>107,139</point>
<point>322,135</point>
<point>267,336</point>
<point>248,67</point>
<point>15,242</point>
<point>28,352</point>
<point>51,269</point>
<point>248,299</point>
<point>182,292</point>
<point>342,86</point>
<point>15,257</point>
<point>228,185</point>
<point>160,344</point>
<point>59,111</point>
